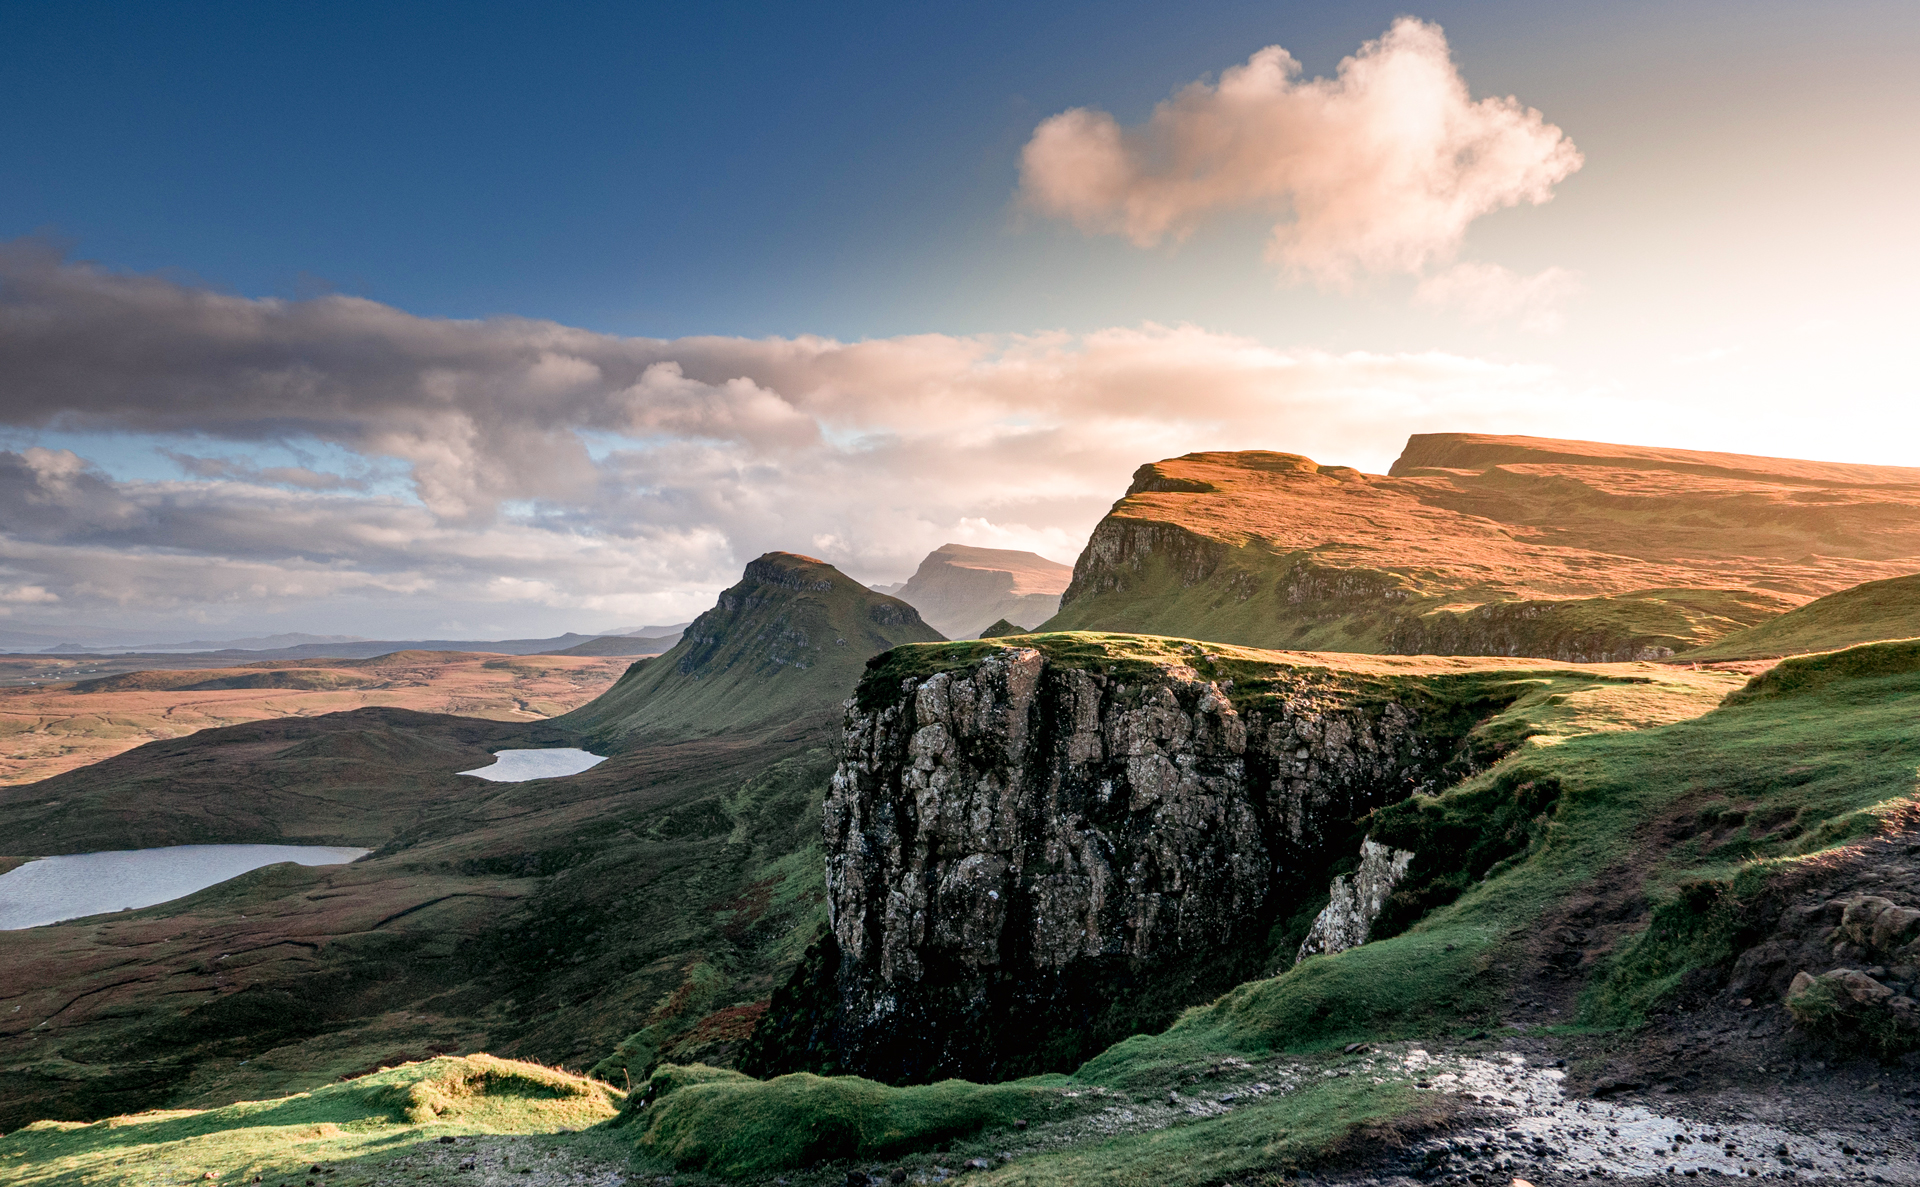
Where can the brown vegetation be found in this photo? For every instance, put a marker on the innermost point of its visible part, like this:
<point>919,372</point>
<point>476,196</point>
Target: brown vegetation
<point>1488,545</point>
<point>68,721</point>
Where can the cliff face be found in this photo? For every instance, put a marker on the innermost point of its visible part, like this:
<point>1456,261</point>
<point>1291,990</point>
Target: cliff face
<point>1487,546</point>
<point>1031,857</point>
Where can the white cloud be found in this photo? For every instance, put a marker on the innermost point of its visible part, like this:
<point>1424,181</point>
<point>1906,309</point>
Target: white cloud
<point>704,452</point>
<point>1379,169</point>
<point>1487,292</point>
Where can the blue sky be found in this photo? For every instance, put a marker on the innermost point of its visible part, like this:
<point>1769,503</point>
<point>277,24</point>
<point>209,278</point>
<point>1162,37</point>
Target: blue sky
<point>1731,267</point>
<point>780,169</point>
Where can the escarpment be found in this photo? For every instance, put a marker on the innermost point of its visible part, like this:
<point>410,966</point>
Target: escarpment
<point>1030,856</point>
<point>1513,546</point>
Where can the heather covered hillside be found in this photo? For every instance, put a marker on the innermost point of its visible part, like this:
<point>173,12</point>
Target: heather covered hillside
<point>643,909</point>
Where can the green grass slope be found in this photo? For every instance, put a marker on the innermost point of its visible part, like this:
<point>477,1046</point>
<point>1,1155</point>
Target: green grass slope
<point>1816,754</point>
<point>1866,613</point>
<point>788,642</point>
<point>358,1130</point>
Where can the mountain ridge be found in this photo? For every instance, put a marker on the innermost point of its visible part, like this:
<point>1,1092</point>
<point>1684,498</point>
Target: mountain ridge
<point>794,627</point>
<point>1531,547</point>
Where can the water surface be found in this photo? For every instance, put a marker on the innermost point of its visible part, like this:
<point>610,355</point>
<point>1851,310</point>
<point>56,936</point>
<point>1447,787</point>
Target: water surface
<point>55,888</point>
<point>518,766</point>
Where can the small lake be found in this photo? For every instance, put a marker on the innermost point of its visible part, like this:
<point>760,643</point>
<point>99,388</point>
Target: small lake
<point>55,888</point>
<point>518,766</point>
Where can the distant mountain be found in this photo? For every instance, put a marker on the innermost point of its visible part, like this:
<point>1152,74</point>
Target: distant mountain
<point>621,645</point>
<point>1482,545</point>
<point>260,643</point>
<point>39,637</point>
<point>890,589</point>
<point>789,642</point>
<point>645,632</point>
<point>368,648</point>
<point>960,589</point>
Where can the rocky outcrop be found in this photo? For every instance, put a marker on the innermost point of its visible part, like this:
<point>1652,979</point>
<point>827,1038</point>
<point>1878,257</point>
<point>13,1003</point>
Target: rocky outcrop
<point>1354,900</point>
<point>1120,549</point>
<point>1872,1003</point>
<point>1581,631</point>
<point>1029,858</point>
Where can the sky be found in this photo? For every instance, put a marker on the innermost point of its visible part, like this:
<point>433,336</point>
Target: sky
<point>489,321</point>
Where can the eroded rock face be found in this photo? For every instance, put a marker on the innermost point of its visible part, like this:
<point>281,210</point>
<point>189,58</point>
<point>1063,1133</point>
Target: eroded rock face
<point>1028,861</point>
<point>1354,900</point>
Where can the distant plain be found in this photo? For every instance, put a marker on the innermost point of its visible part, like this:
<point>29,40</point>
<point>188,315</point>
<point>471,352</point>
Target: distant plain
<point>77,716</point>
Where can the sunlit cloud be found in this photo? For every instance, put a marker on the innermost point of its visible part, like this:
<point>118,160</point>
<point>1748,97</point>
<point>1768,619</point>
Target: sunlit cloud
<point>1379,169</point>
<point>553,468</point>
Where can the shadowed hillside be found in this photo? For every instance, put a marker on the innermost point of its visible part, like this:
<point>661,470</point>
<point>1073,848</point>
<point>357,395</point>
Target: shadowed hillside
<point>788,642</point>
<point>1866,613</point>
<point>641,910</point>
<point>1488,546</point>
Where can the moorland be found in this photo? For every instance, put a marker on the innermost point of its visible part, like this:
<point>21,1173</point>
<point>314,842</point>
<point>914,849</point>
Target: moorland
<point>1539,809</point>
<point>72,714</point>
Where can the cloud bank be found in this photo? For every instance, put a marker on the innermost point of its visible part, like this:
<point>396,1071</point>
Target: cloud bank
<point>545,475</point>
<point>1379,169</point>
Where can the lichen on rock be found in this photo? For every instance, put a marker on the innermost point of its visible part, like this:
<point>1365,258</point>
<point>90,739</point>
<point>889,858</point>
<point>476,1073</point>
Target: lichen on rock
<point>1354,900</point>
<point>1030,858</point>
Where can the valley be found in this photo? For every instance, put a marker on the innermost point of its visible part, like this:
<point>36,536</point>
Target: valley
<point>1589,770</point>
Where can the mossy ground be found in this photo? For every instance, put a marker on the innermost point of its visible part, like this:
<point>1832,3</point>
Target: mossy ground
<point>353,1128</point>
<point>1530,698</point>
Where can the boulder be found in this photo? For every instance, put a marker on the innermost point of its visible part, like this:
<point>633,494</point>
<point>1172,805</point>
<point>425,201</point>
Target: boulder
<point>1879,924</point>
<point>1355,900</point>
